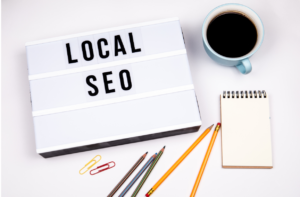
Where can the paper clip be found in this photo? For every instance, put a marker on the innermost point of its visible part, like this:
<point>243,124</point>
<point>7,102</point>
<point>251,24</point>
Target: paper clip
<point>108,167</point>
<point>93,160</point>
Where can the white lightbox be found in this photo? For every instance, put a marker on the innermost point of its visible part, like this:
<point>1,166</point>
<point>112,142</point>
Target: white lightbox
<point>111,87</point>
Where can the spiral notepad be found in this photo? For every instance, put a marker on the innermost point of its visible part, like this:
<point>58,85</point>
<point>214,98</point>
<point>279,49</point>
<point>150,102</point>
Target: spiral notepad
<point>246,133</point>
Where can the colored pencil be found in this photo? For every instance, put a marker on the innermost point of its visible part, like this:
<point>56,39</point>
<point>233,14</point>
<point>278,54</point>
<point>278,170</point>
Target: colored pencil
<point>148,172</point>
<point>139,161</point>
<point>137,176</point>
<point>174,166</point>
<point>210,146</point>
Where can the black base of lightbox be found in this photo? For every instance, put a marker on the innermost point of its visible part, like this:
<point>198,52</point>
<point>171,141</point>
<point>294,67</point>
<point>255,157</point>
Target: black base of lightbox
<point>119,142</point>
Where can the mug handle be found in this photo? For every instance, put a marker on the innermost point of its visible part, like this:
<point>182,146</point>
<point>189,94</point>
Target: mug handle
<point>244,67</point>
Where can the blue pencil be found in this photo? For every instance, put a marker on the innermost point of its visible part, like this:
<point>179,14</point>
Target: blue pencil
<point>137,176</point>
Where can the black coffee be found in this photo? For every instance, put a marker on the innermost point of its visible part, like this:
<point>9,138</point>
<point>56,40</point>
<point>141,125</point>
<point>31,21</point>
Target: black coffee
<point>231,35</point>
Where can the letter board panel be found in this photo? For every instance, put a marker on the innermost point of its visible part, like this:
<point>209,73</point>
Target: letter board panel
<point>110,87</point>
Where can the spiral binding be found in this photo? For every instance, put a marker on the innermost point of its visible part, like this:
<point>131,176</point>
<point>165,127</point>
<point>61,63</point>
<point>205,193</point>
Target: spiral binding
<point>246,94</point>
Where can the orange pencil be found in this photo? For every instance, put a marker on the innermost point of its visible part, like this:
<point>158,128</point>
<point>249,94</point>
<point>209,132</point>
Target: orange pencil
<point>174,166</point>
<point>211,144</point>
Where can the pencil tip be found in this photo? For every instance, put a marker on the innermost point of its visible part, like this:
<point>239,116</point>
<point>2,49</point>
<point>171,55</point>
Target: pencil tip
<point>146,152</point>
<point>210,127</point>
<point>164,146</point>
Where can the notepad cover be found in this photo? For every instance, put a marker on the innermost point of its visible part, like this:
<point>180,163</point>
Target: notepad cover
<point>246,133</point>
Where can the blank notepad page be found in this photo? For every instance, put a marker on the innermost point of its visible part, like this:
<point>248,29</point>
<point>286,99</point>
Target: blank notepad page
<point>246,133</point>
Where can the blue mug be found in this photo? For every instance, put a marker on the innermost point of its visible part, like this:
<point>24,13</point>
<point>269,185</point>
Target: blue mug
<point>242,63</point>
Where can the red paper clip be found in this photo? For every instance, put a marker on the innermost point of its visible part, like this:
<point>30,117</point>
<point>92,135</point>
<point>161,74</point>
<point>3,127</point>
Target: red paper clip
<point>108,167</point>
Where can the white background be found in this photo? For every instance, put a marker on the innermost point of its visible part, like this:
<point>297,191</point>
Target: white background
<point>275,69</point>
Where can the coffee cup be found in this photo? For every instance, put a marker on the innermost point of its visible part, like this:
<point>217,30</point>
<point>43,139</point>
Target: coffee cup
<point>231,34</point>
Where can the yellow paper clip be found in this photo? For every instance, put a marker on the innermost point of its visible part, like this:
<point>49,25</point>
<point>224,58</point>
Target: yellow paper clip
<point>89,167</point>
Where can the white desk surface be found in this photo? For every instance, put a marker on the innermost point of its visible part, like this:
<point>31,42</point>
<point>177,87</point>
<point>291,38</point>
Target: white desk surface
<point>276,69</point>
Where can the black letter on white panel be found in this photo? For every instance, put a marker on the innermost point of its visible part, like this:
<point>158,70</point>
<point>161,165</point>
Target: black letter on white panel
<point>96,91</point>
<point>122,48</point>
<point>90,46</point>
<point>133,49</point>
<point>106,82</point>
<point>100,48</point>
<point>69,55</point>
<point>129,84</point>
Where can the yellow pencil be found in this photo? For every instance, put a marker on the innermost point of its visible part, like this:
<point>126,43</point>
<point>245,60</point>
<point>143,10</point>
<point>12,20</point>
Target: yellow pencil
<point>187,152</point>
<point>211,144</point>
